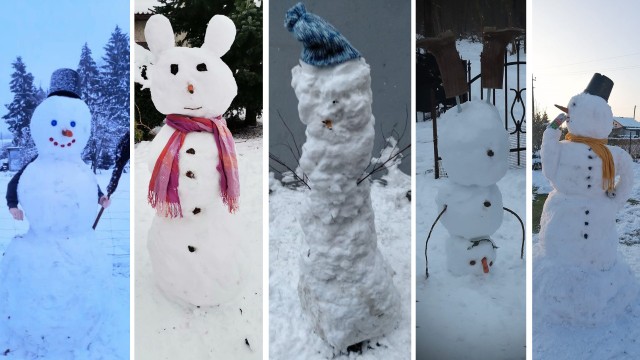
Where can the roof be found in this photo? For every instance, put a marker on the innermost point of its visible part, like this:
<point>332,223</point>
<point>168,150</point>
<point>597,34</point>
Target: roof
<point>627,123</point>
<point>143,7</point>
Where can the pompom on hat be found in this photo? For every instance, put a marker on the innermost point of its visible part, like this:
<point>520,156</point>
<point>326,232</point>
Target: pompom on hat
<point>323,43</point>
<point>599,85</point>
<point>65,82</point>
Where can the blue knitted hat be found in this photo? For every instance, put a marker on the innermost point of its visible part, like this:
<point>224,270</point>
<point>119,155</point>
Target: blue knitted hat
<point>323,44</point>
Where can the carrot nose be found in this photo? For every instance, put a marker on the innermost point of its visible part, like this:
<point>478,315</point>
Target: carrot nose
<point>190,89</point>
<point>485,266</point>
<point>68,133</point>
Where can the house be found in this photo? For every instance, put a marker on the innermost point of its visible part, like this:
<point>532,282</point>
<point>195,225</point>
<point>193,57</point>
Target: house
<point>624,127</point>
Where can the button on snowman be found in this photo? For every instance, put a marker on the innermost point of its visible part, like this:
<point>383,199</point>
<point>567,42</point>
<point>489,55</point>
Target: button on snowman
<point>577,268</point>
<point>194,242</point>
<point>346,287</point>
<point>474,147</point>
<point>54,279</point>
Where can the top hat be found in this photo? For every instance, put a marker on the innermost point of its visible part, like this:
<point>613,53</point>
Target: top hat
<point>599,85</point>
<point>65,82</point>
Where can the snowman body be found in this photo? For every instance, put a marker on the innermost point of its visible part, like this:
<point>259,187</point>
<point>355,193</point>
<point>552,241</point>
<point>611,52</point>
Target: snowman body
<point>196,257</point>
<point>346,287</point>
<point>577,262</point>
<point>53,280</point>
<point>474,149</point>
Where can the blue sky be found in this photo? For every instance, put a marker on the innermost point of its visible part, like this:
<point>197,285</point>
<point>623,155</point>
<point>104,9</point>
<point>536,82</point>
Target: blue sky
<point>571,40</point>
<point>50,34</point>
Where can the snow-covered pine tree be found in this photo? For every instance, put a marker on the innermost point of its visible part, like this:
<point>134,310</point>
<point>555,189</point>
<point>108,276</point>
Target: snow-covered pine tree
<point>112,116</point>
<point>90,93</point>
<point>25,100</point>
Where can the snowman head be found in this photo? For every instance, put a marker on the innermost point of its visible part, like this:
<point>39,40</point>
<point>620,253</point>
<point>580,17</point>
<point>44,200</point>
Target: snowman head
<point>473,144</point>
<point>472,211</point>
<point>476,256</point>
<point>589,113</point>
<point>61,125</point>
<point>190,81</point>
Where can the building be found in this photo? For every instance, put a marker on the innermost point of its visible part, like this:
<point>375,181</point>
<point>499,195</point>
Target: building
<point>624,127</point>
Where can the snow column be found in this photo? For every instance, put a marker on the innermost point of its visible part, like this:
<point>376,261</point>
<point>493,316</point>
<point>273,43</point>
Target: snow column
<point>346,287</point>
<point>474,147</point>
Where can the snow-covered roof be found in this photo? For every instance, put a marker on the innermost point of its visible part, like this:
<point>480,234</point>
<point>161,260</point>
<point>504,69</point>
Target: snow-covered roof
<point>143,7</point>
<point>625,122</point>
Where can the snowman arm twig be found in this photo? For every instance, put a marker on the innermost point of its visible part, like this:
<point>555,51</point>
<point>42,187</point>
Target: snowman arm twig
<point>427,242</point>
<point>550,152</point>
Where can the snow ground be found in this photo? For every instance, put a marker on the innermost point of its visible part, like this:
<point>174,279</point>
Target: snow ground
<point>112,234</point>
<point>479,315</point>
<point>620,340</point>
<point>291,335</point>
<point>458,316</point>
<point>166,330</point>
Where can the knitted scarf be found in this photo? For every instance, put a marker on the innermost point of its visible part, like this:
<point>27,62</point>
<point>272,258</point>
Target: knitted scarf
<point>163,186</point>
<point>599,146</point>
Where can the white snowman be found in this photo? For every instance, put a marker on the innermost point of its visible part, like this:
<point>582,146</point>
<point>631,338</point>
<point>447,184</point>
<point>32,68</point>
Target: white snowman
<point>194,242</point>
<point>54,280</point>
<point>577,265</point>
<point>474,148</point>
<point>346,287</point>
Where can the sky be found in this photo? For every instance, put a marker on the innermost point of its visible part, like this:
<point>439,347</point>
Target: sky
<point>50,34</point>
<point>570,40</point>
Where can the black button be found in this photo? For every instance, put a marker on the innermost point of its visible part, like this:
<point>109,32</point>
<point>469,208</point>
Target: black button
<point>590,157</point>
<point>587,212</point>
<point>487,204</point>
<point>191,175</point>
<point>589,149</point>
<point>196,211</point>
<point>586,223</point>
<point>588,177</point>
<point>191,151</point>
<point>588,186</point>
<point>191,248</point>
<point>586,236</point>
<point>589,167</point>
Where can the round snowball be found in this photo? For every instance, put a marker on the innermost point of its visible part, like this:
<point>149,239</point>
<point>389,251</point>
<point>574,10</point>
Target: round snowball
<point>590,116</point>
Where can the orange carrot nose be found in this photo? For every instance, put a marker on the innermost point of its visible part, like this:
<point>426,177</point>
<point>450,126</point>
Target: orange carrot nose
<point>190,89</point>
<point>485,266</point>
<point>68,133</point>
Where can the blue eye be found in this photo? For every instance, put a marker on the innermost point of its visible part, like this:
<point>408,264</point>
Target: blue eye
<point>73,124</point>
<point>54,122</point>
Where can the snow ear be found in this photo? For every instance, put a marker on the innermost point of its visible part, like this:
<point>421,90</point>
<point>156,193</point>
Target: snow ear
<point>143,61</point>
<point>159,34</point>
<point>221,32</point>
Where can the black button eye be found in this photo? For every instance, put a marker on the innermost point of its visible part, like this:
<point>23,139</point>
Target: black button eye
<point>335,101</point>
<point>472,262</point>
<point>487,204</point>
<point>201,67</point>
<point>490,152</point>
<point>174,69</point>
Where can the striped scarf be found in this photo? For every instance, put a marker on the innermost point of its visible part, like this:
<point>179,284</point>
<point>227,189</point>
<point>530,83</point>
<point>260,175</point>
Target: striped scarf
<point>599,146</point>
<point>163,186</point>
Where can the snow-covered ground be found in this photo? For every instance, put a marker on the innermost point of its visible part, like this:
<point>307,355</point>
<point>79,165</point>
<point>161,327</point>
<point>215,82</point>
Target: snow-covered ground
<point>619,340</point>
<point>291,335</point>
<point>112,234</point>
<point>166,330</point>
<point>469,316</point>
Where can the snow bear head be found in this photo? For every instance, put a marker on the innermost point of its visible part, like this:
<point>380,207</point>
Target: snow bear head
<point>190,81</point>
<point>60,127</point>
<point>590,116</point>
<point>473,144</point>
<point>476,256</point>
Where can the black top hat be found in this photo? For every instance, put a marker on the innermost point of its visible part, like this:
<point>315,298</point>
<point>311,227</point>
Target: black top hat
<point>65,82</point>
<point>600,85</point>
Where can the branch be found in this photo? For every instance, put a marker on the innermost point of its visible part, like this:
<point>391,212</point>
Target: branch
<point>277,160</point>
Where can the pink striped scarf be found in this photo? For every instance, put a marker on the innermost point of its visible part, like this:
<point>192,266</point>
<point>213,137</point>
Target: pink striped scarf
<point>163,186</point>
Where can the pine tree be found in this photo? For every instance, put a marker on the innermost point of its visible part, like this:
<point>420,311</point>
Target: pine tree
<point>90,92</point>
<point>112,115</point>
<point>25,99</point>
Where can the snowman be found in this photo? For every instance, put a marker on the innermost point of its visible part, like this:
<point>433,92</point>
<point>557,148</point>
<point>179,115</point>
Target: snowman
<point>194,242</point>
<point>346,287</point>
<point>54,280</point>
<point>579,275</point>
<point>474,149</point>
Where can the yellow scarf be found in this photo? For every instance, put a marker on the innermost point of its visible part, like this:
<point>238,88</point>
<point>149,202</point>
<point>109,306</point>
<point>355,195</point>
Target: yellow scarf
<point>599,146</point>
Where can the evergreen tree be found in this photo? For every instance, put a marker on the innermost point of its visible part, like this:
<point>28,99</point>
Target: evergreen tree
<point>90,93</point>
<point>25,99</point>
<point>539,125</point>
<point>190,18</point>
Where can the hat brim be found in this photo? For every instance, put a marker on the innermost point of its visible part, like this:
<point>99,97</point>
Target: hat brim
<point>564,109</point>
